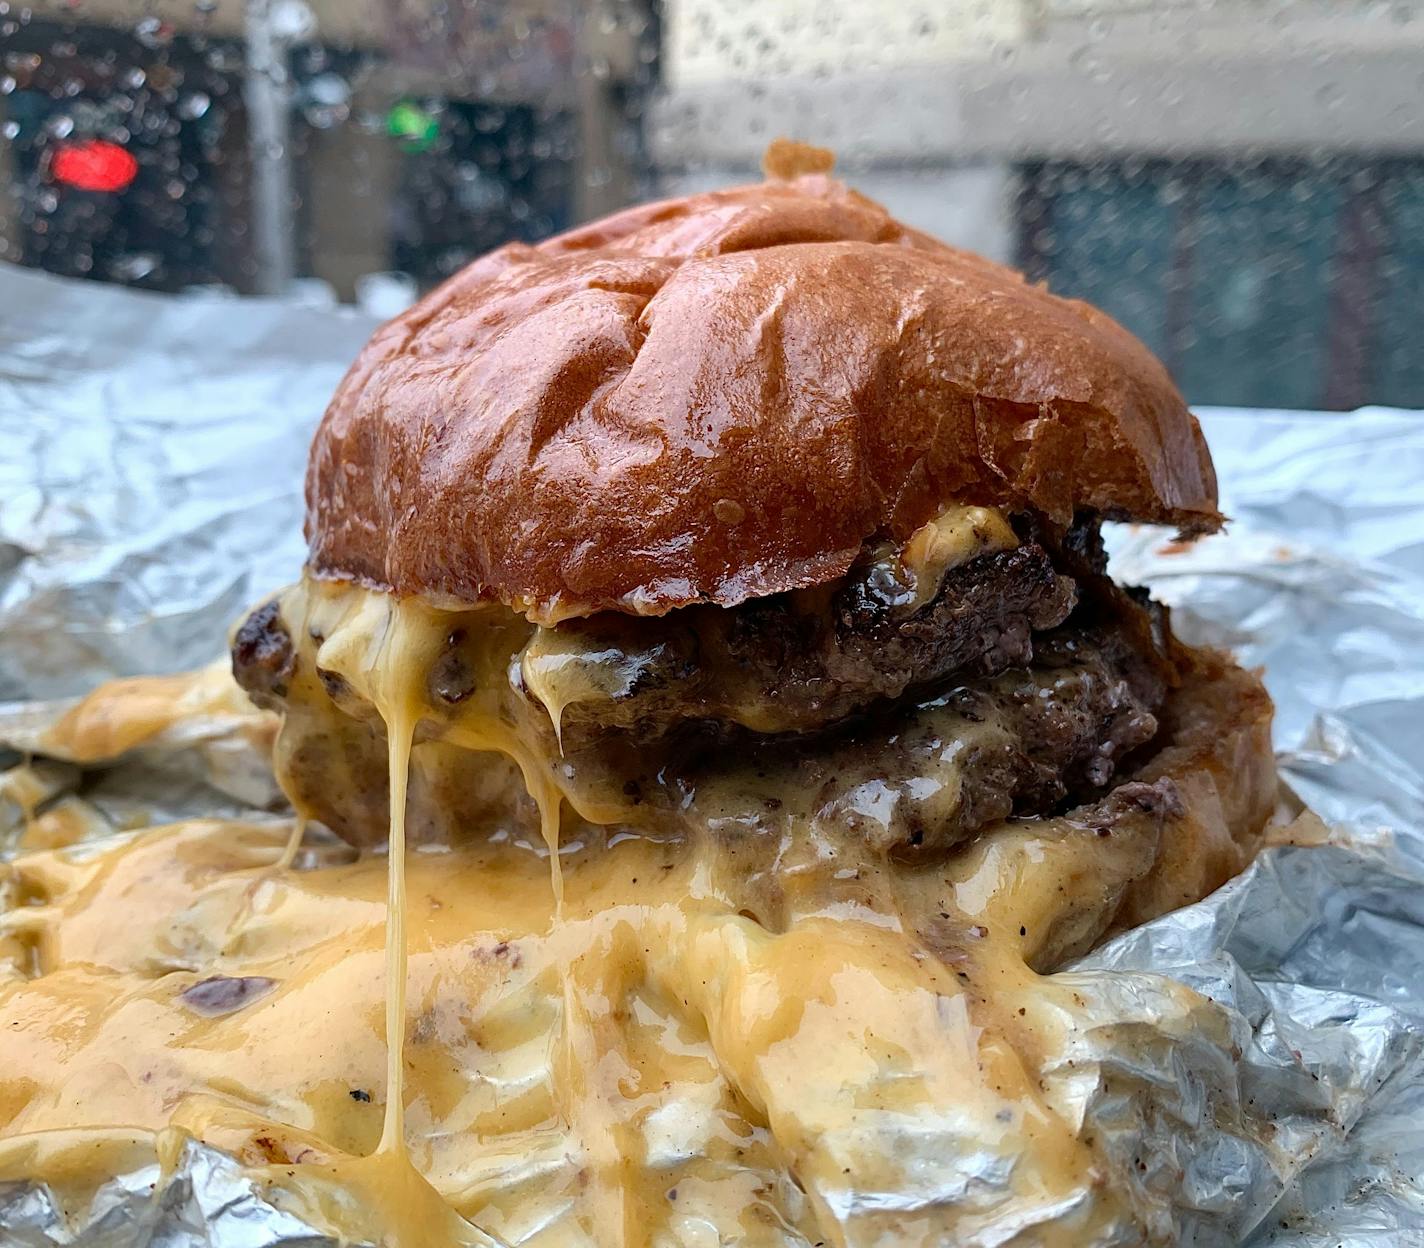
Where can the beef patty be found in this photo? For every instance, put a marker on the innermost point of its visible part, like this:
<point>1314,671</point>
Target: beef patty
<point>794,662</point>
<point>926,772</point>
<point>1019,687</point>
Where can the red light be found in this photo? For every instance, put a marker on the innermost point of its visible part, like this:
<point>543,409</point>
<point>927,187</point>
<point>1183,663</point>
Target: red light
<point>94,165</point>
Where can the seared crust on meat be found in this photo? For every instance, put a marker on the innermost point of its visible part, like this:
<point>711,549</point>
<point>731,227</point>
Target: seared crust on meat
<point>922,775</point>
<point>263,658</point>
<point>792,664</point>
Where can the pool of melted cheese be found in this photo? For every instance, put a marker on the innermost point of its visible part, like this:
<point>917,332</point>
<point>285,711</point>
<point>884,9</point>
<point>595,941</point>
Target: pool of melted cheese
<point>651,1062</point>
<point>636,1055</point>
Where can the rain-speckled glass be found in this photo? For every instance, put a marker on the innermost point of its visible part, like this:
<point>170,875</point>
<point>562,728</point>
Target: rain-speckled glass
<point>1240,181</point>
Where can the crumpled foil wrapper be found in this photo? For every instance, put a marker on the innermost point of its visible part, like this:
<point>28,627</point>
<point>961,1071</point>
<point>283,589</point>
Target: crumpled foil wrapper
<point>206,1202</point>
<point>150,485</point>
<point>151,490</point>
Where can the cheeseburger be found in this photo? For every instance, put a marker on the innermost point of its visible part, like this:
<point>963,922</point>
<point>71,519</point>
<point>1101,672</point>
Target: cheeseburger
<point>739,559</point>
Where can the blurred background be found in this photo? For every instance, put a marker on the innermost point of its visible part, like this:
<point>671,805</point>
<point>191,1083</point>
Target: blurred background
<point>1240,181</point>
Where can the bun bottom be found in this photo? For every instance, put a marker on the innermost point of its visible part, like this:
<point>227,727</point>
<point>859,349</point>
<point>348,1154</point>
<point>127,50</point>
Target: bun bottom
<point>1220,758</point>
<point>1187,817</point>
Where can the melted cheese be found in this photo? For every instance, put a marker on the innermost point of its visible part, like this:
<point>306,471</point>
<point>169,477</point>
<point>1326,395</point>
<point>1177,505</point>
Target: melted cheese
<point>559,671</point>
<point>949,540</point>
<point>657,1038</point>
<point>140,710</point>
<point>709,1056</point>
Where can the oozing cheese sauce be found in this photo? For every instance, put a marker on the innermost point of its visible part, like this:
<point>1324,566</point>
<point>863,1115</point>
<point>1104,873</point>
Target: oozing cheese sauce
<point>650,1052</point>
<point>712,1058</point>
<point>953,538</point>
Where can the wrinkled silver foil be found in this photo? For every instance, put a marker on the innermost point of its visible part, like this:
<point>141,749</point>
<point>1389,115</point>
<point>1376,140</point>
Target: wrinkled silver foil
<point>150,481</point>
<point>150,489</point>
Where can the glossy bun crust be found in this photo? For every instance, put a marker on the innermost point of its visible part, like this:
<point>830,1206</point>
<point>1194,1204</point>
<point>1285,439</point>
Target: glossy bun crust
<point>721,397</point>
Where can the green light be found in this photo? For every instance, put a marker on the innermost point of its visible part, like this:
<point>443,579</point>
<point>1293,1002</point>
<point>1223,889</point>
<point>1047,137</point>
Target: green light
<point>416,128</point>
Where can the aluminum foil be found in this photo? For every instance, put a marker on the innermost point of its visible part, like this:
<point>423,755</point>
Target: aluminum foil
<point>150,482</point>
<point>150,490</point>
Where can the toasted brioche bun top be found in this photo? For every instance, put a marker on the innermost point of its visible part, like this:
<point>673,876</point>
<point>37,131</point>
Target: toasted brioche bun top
<point>720,397</point>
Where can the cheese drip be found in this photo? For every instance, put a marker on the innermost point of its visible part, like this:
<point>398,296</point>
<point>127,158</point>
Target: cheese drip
<point>387,649</point>
<point>949,540</point>
<point>387,654</point>
<point>400,729</point>
<point>787,1039</point>
<point>293,845</point>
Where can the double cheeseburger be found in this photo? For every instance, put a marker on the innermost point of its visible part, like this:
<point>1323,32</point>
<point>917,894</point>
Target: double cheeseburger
<point>757,493</point>
<point>761,526</point>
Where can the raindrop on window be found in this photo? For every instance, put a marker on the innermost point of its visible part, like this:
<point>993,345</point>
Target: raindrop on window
<point>1330,95</point>
<point>194,105</point>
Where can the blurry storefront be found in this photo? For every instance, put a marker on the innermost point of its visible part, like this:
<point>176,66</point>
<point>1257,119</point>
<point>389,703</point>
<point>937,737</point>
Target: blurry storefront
<point>246,143</point>
<point>1242,183</point>
<point>123,150</point>
<point>1280,282</point>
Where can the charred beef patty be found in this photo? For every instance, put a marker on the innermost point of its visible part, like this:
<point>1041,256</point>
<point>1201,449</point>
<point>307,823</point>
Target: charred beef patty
<point>926,772</point>
<point>263,657</point>
<point>795,662</point>
<point>1018,688</point>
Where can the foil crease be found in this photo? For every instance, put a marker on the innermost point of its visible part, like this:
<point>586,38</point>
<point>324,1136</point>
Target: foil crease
<point>152,490</point>
<point>205,1202</point>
